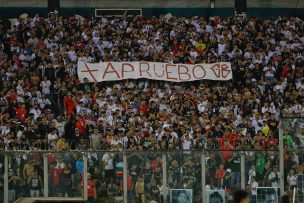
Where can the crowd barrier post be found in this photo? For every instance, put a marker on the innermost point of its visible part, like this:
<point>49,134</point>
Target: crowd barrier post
<point>203,165</point>
<point>243,172</point>
<point>125,178</point>
<point>6,178</point>
<point>165,194</point>
<point>85,176</point>
<point>281,151</point>
<point>45,175</point>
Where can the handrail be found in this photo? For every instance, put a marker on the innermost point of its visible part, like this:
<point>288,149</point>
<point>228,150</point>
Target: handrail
<point>143,151</point>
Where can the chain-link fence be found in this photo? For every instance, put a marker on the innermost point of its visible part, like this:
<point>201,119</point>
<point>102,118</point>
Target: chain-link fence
<point>292,134</point>
<point>132,176</point>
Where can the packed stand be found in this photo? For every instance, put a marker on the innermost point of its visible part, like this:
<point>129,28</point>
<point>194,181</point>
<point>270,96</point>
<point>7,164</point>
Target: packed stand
<point>44,106</point>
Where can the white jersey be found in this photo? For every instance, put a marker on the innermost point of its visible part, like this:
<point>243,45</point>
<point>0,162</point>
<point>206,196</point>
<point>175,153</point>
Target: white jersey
<point>46,85</point>
<point>108,161</point>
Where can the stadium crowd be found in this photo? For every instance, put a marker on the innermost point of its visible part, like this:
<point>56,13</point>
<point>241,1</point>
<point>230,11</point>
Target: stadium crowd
<point>44,106</point>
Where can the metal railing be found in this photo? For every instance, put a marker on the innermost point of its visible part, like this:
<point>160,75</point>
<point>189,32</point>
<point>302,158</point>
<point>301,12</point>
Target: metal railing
<point>125,175</point>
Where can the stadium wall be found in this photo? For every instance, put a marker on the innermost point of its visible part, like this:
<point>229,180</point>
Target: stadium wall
<point>154,3</point>
<point>263,9</point>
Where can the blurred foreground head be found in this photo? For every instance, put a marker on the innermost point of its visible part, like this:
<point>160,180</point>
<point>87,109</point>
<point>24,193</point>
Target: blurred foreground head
<point>240,196</point>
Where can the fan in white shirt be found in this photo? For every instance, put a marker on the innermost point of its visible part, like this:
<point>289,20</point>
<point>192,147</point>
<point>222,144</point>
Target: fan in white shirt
<point>115,142</point>
<point>297,108</point>
<point>19,88</point>
<point>292,179</point>
<point>253,187</point>
<point>83,58</point>
<point>172,34</point>
<point>72,54</point>
<point>45,86</point>
<point>186,143</point>
<point>209,28</point>
<point>60,126</point>
<point>52,138</point>
<point>4,130</point>
<point>221,47</point>
<point>154,98</point>
<point>43,102</point>
<point>36,111</point>
<point>159,134</point>
<point>251,175</point>
<point>274,177</point>
<point>280,87</point>
<point>48,42</point>
<point>300,84</point>
<point>100,101</point>
<point>193,53</point>
<point>269,71</point>
<point>267,108</point>
<point>107,160</point>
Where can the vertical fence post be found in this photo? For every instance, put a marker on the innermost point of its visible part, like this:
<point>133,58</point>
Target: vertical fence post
<point>281,153</point>
<point>165,193</point>
<point>85,176</point>
<point>203,165</point>
<point>125,178</point>
<point>45,175</point>
<point>5,178</point>
<point>243,172</point>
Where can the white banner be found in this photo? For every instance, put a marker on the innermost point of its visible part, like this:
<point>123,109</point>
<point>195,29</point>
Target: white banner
<point>112,71</point>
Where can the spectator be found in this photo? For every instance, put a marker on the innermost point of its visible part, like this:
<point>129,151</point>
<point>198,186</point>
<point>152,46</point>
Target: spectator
<point>220,173</point>
<point>292,180</point>
<point>274,177</point>
<point>234,164</point>
<point>108,162</point>
<point>35,184</point>
<point>66,181</point>
<point>92,195</point>
<point>285,199</point>
<point>253,189</point>
<point>2,188</point>
<point>183,197</point>
<point>140,190</point>
<point>240,196</point>
<point>40,91</point>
